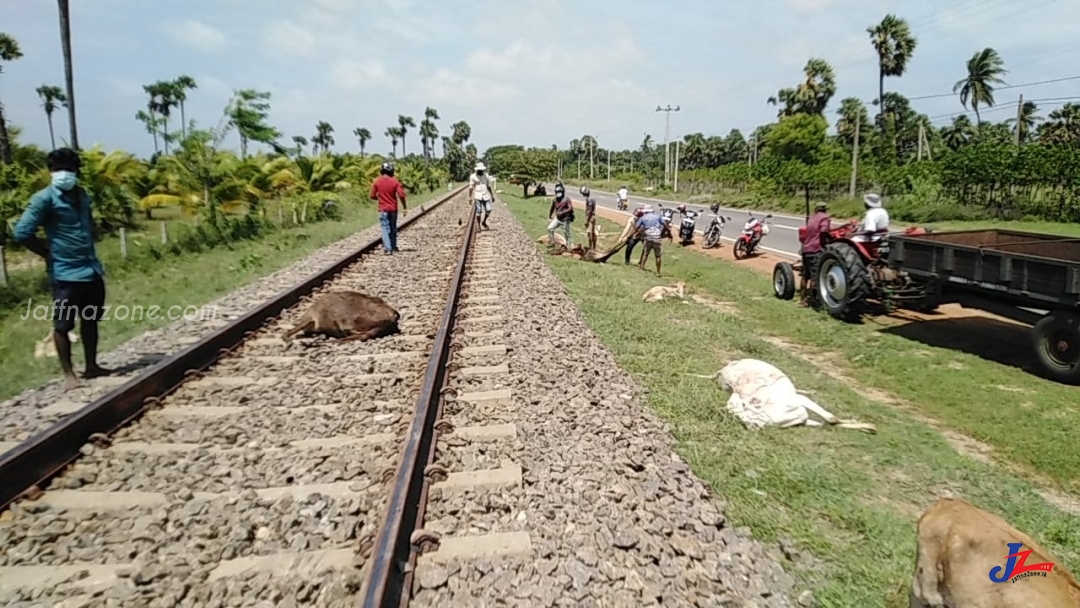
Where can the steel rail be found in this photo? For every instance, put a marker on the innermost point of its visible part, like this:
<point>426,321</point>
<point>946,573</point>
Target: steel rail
<point>392,554</point>
<point>47,453</point>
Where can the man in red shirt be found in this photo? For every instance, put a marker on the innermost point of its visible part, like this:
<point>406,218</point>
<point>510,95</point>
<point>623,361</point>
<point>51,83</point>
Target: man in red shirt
<point>816,225</point>
<point>387,190</point>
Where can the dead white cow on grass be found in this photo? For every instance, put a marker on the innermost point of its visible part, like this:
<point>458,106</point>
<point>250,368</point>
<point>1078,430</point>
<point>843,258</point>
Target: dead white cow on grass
<point>661,292</point>
<point>762,395</point>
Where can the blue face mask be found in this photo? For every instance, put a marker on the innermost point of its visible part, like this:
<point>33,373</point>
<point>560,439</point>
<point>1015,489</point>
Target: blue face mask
<point>64,180</point>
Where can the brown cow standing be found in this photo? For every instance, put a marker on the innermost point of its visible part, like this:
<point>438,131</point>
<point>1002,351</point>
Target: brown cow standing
<point>348,315</point>
<point>959,545</point>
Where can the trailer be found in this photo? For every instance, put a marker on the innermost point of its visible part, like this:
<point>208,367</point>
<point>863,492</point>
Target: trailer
<point>1027,277</point>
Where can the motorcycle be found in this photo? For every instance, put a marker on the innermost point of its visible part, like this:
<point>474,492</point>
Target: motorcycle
<point>620,203</point>
<point>687,226</point>
<point>715,229</point>
<point>667,214</point>
<point>747,243</point>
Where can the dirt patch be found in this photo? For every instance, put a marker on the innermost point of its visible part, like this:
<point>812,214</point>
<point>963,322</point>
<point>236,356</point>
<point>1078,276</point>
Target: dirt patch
<point>726,308</point>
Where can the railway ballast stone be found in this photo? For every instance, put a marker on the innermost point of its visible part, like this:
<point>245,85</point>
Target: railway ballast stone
<point>615,517</point>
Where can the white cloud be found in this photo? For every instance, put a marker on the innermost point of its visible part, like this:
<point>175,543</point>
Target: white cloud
<point>287,38</point>
<point>353,74</point>
<point>196,35</point>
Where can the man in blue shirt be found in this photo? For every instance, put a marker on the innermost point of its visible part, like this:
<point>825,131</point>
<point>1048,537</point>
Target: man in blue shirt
<point>651,226</point>
<point>63,209</point>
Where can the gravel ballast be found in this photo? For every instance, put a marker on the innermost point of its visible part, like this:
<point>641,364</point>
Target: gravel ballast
<point>613,516</point>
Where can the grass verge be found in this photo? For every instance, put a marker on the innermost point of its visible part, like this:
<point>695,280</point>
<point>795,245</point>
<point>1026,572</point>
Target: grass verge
<point>849,499</point>
<point>190,279</point>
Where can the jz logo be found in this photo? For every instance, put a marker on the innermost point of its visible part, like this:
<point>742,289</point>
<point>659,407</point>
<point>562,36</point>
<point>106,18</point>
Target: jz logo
<point>1016,568</point>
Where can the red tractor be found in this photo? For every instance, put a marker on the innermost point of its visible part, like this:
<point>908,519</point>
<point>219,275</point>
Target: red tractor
<point>851,272</point>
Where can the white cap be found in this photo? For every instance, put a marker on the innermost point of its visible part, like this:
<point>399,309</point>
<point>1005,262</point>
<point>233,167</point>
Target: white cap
<point>480,167</point>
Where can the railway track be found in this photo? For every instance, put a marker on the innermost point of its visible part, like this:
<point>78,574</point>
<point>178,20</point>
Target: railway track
<point>263,478</point>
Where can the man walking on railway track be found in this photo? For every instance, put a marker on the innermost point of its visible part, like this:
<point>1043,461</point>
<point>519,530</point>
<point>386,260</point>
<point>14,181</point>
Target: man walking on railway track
<point>563,210</point>
<point>480,193</point>
<point>387,190</point>
<point>76,273</point>
<point>817,225</point>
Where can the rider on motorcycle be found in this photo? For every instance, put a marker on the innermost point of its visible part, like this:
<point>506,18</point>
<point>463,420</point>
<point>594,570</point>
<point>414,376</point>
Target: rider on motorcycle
<point>624,195</point>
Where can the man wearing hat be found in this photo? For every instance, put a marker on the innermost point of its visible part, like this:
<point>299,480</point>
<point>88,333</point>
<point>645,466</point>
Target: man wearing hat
<point>875,222</point>
<point>480,193</point>
<point>817,225</point>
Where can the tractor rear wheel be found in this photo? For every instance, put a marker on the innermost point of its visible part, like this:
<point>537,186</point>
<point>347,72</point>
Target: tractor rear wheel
<point>783,278</point>
<point>843,282</point>
<point>1057,344</point>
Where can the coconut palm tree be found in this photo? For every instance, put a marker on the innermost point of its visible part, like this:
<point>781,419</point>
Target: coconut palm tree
<point>363,136</point>
<point>9,51</point>
<point>323,136</point>
<point>959,133</point>
<point>895,45</point>
<point>851,112</point>
<point>181,86</point>
<point>1029,118</point>
<point>394,133</point>
<point>429,132</point>
<point>985,69</point>
<point>69,76</point>
<point>51,98</point>
<point>404,122</point>
<point>812,95</point>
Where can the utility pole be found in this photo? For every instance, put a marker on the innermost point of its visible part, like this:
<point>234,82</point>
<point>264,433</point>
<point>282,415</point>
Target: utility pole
<point>676,187</point>
<point>855,156</point>
<point>750,152</point>
<point>579,169</point>
<point>560,169</point>
<point>592,148</point>
<point>667,140</point>
<point>609,165</point>
<point>921,133</point>
<point>1019,117</point>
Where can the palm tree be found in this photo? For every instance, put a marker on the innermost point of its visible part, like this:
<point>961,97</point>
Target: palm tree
<point>404,122</point>
<point>1028,119</point>
<point>300,142</point>
<point>895,45</point>
<point>460,132</point>
<point>985,69</point>
<point>812,95</point>
<point>51,98</point>
<point>162,100</point>
<point>959,133</point>
<point>181,86</point>
<point>69,76</point>
<point>851,112</point>
<point>392,133</point>
<point>323,136</point>
<point>363,136</point>
<point>429,132</point>
<point>9,51</point>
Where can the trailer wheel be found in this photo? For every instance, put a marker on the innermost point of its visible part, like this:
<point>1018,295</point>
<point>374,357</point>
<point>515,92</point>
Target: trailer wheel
<point>783,278</point>
<point>1057,344</point>
<point>842,281</point>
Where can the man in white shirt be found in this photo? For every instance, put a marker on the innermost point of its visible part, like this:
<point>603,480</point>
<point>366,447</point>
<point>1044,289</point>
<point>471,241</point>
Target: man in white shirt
<point>624,195</point>
<point>480,192</point>
<point>875,223</point>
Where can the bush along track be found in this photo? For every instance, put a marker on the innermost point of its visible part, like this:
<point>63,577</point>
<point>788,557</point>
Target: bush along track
<point>842,506</point>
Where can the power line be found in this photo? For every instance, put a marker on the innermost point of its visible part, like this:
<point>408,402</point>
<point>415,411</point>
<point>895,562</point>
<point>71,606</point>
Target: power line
<point>1001,88</point>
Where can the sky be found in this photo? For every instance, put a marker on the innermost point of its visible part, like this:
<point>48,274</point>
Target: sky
<point>535,73</point>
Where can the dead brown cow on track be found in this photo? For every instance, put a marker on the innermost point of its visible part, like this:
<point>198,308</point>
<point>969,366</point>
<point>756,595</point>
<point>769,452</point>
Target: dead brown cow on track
<point>961,548</point>
<point>348,315</point>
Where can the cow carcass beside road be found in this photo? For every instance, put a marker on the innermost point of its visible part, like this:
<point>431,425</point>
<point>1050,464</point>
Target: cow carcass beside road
<point>968,558</point>
<point>348,315</point>
<point>660,292</point>
<point>762,395</point>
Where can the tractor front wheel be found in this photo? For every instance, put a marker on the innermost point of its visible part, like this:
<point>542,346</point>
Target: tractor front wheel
<point>783,277</point>
<point>843,282</point>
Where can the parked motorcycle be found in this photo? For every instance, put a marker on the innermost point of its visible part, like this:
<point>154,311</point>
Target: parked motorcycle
<point>687,226</point>
<point>747,243</point>
<point>716,227</point>
<point>667,214</point>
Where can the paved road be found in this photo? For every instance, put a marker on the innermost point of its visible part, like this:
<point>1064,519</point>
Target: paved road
<point>783,237</point>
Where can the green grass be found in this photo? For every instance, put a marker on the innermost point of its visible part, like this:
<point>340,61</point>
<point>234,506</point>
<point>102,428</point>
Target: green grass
<point>190,279</point>
<point>848,498</point>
